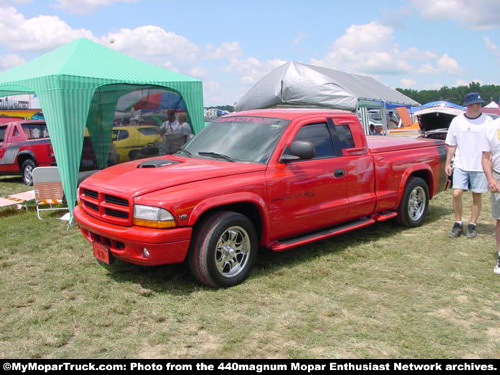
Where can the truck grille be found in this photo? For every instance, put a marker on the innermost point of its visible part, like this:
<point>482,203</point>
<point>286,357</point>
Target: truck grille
<point>107,207</point>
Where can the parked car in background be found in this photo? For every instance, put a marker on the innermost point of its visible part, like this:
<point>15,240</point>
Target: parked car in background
<point>434,121</point>
<point>89,161</point>
<point>135,141</point>
<point>25,145</point>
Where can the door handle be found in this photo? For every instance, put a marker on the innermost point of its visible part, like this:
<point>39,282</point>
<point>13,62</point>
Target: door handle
<point>339,173</point>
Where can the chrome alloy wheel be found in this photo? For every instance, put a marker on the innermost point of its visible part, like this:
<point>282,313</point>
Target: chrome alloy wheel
<point>416,203</point>
<point>232,250</point>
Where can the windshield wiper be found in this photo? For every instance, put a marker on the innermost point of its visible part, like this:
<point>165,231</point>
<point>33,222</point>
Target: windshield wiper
<point>185,151</point>
<point>216,155</point>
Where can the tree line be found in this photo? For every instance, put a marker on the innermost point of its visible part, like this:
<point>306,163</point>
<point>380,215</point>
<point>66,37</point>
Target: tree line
<point>454,94</point>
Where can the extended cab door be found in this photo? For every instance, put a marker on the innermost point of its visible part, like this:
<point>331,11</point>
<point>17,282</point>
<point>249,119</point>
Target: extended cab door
<point>351,147</point>
<point>305,195</point>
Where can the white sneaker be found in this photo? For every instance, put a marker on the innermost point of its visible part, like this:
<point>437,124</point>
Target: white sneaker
<point>497,266</point>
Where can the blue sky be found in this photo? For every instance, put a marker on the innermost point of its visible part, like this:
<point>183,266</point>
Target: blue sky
<point>230,45</point>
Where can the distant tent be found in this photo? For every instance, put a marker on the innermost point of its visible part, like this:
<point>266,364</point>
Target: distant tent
<point>78,86</point>
<point>492,105</point>
<point>297,84</point>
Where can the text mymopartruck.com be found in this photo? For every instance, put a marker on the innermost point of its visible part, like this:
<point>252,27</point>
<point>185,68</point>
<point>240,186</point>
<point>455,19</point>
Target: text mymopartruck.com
<point>237,366</point>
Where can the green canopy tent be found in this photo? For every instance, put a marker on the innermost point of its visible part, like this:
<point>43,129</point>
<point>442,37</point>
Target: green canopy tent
<point>78,86</point>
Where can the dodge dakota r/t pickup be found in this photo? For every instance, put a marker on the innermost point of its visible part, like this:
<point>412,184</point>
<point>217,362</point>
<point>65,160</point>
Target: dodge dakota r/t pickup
<point>275,178</point>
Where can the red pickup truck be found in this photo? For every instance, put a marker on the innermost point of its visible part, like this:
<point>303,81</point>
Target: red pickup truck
<point>275,178</point>
<point>24,145</point>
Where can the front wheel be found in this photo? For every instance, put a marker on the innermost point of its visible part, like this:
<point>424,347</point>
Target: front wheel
<point>413,207</point>
<point>27,171</point>
<point>224,249</point>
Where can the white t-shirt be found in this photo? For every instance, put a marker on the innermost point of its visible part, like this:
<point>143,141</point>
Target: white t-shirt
<point>170,127</point>
<point>491,142</point>
<point>465,133</point>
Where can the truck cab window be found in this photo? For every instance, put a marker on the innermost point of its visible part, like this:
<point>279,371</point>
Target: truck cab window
<point>345,136</point>
<point>319,136</point>
<point>3,130</point>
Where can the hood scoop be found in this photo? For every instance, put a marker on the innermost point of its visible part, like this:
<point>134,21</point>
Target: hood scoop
<point>156,163</point>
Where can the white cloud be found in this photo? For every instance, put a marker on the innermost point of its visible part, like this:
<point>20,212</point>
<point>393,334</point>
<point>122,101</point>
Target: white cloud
<point>84,7</point>
<point>7,2</point>
<point>407,82</point>
<point>251,69</point>
<point>10,60</point>
<point>300,37</point>
<point>414,53</point>
<point>445,64</point>
<point>472,14</point>
<point>493,48</point>
<point>152,43</point>
<point>224,51</point>
<point>371,49</point>
<point>198,72</point>
<point>40,33</point>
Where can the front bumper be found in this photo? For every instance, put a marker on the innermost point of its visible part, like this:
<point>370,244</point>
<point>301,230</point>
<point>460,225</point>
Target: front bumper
<point>165,246</point>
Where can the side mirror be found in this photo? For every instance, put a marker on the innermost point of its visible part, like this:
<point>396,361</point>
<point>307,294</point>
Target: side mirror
<point>298,150</point>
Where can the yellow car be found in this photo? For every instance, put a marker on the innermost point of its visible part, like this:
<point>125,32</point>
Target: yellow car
<point>136,141</point>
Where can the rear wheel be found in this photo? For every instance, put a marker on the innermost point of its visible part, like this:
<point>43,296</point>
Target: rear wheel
<point>413,208</point>
<point>224,249</point>
<point>27,171</point>
<point>134,154</point>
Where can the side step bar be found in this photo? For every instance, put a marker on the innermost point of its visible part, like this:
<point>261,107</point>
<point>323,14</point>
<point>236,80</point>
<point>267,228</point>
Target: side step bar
<point>386,216</point>
<point>325,233</point>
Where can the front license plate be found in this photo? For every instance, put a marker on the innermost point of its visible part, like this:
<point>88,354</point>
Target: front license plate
<point>101,252</point>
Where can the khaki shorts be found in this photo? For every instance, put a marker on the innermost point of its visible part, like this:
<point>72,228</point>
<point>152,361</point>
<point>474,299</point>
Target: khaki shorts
<point>495,200</point>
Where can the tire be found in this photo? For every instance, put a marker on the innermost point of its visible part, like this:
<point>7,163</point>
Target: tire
<point>413,207</point>
<point>223,250</point>
<point>27,171</point>
<point>134,154</point>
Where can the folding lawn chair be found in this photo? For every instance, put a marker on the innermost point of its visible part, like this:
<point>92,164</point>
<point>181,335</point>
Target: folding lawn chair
<point>19,199</point>
<point>48,189</point>
<point>22,198</point>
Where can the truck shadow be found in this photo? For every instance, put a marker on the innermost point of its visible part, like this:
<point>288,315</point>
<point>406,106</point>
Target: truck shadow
<point>176,280</point>
<point>270,261</point>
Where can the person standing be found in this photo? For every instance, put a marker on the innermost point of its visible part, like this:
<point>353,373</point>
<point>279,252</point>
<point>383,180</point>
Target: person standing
<point>170,125</point>
<point>184,127</point>
<point>463,147</point>
<point>490,147</point>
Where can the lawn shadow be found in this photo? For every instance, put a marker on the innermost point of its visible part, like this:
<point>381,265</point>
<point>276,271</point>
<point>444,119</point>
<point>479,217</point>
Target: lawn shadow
<point>176,279</point>
<point>270,261</point>
<point>170,279</point>
<point>12,179</point>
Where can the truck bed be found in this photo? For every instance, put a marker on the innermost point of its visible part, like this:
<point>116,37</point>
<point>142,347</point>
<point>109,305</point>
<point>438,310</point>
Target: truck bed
<point>378,144</point>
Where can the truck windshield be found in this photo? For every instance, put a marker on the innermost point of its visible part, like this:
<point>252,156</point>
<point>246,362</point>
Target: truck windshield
<point>238,138</point>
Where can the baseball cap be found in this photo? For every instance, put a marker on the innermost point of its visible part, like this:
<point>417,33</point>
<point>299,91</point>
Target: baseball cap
<point>472,98</point>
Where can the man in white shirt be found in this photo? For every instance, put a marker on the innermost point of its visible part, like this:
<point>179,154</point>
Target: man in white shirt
<point>490,146</point>
<point>463,139</point>
<point>170,125</point>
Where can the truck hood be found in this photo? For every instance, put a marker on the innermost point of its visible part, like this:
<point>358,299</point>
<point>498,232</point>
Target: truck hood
<point>145,176</point>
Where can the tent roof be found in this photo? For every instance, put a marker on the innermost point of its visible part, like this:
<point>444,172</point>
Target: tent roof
<point>84,58</point>
<point>65,81</point>
<point>295,83</point>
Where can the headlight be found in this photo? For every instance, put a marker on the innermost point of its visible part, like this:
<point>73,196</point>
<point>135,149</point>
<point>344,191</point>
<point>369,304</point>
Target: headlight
<point>153,217</point>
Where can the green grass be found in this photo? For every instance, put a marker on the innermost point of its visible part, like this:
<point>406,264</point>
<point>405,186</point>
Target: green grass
<point>379,292</point>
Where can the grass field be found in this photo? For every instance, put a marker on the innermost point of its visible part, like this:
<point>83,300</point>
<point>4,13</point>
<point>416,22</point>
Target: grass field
<point>379,292</point>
